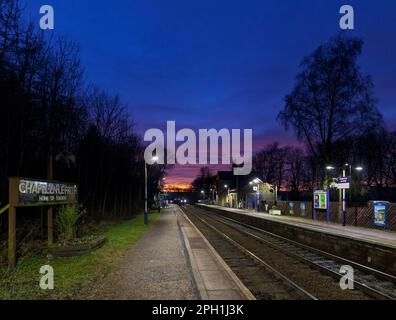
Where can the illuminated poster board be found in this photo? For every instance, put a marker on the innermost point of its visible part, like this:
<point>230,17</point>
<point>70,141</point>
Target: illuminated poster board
<point>321,203</point>
<point>321,199</point>
<point>303,209</point>
<point>291,204</point>
<point>380,214</point>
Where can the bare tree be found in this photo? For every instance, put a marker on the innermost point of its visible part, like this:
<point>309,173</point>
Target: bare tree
<point>270,163</point>
<point>332,100</point>
<point>10,22</point>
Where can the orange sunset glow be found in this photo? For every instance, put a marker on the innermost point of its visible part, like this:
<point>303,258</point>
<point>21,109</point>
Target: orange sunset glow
<point>179,187</point>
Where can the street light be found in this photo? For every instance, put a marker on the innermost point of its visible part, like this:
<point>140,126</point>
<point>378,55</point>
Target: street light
<point>359,169</point>
<point>203,195</point>
<point>212,193</point>
<point>257,181</point>
<point>228,194</point>
<point>154,160</point>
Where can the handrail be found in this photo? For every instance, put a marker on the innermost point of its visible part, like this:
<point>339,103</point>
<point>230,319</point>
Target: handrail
<point>5,208</point>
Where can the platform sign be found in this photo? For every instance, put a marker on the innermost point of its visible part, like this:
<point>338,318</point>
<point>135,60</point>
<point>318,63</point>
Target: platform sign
<point>42,193</point>
<point>303,209</point>
<point>380,214</point>
<point>343,183</point>
<point>26,192</point>
<point>321,199</point>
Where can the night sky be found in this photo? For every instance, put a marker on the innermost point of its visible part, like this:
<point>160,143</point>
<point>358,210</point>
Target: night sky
<point>217,63</point>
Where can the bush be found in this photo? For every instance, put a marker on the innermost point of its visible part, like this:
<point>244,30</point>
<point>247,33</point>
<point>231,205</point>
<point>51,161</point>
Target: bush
<point>66,219</point>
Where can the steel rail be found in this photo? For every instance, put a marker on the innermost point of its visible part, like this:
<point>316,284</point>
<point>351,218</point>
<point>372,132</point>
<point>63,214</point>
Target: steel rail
<point>261,261</point>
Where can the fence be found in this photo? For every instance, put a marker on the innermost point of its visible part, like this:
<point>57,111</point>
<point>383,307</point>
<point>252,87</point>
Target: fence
<point>359,216</point>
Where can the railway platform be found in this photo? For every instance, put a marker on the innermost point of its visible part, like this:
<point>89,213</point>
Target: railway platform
<point>371,247</point>
<point>213,278</point>
<point>374,236</point>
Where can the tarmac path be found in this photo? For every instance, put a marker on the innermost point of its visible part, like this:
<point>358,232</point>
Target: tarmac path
<point>155,268</point>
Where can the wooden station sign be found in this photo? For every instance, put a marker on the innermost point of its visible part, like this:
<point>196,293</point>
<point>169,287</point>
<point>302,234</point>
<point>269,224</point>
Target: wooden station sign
<point>29,192</point>
<point>25,192</point>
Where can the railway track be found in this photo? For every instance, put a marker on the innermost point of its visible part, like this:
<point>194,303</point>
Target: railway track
<point>314,273</point>
<point>265,282</point>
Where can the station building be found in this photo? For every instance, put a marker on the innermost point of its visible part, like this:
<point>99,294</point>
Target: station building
<point>244,192</point>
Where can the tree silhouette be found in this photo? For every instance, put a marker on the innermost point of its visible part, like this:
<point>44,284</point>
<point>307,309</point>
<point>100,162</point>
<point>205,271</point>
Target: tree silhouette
<point>48,112</point>
<point>332,100</point>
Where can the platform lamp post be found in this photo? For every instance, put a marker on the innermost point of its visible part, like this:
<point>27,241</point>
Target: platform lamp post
<point>359,169</point>
<point>257,182</point>
<point>228,194</point>
<point>350,175</point>
<point>146,220</point>
<point>343,201</point>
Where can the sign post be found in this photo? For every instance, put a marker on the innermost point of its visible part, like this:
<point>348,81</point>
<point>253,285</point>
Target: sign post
<point>13,201</point>
<point>24,192</point>
<point>342,184</point>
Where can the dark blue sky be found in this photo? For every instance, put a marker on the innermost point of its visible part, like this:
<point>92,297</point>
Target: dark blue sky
<point>217,63</point>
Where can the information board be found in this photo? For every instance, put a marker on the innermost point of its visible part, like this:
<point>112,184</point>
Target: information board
<point>321,199</point>
<point>380,214</point>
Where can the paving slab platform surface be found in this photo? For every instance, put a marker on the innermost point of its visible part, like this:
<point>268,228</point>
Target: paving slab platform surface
<point>171,262</point>
<point>373,236</point>
<point>214,279</point>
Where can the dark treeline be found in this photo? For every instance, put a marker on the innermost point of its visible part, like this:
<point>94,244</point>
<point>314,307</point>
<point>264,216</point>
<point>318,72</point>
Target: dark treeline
<point>332,109</point>
<point>205,181</point>
<point>49,115</point>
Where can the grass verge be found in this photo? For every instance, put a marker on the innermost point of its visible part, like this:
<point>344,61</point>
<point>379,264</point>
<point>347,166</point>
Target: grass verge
<point>73,276</point>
